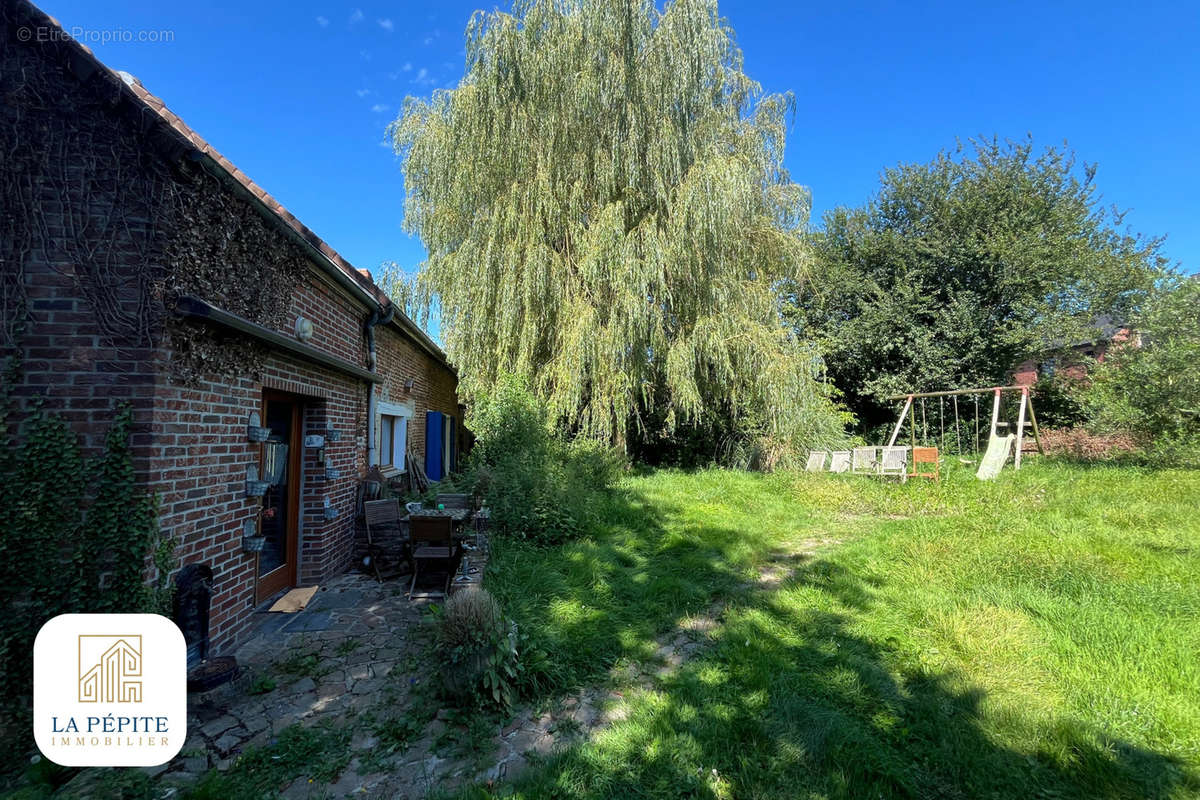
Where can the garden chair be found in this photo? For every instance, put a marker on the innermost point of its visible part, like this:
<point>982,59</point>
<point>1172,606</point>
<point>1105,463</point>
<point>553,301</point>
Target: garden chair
<point>816,461</point>
<point>839,461</point>
<point>894,462</point>
<point>927,458</point>
<point>387,537</point>
<point>433,544</point>
<point>454,500</point>
<point>864,460</point>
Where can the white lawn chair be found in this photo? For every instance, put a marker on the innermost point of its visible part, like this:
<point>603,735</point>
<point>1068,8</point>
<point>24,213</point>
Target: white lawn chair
<point>894,462</point>
<point>864,460</point>
<point>816,461</point>
<point>840,461</point>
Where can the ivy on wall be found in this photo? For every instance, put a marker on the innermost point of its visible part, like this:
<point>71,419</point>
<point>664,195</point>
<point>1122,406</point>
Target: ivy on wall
<point>77,535</point>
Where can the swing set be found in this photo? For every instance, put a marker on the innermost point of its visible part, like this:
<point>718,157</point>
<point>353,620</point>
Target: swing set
<point>998,446</point>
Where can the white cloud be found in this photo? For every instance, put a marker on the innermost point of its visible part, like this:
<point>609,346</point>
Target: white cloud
<point>357,16</point>
<point>422,74</point>
<point>428,41</point>
<point>407,67</point>
<point>323,22</point>
<point>363,92</point>
<point>387,25</point>
<point>379,108</point>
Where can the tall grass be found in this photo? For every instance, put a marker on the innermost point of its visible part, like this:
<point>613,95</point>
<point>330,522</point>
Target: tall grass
<point>1035,636</point>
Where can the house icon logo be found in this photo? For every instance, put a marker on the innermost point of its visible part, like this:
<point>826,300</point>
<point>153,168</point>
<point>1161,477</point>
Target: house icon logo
<point>110,668</point>
<point>109,690</point>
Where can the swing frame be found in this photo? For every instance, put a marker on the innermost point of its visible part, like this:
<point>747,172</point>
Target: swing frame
<point>996,391</point>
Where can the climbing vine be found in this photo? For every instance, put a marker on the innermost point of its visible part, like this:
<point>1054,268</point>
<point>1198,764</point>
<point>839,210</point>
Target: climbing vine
<point>77,535</point>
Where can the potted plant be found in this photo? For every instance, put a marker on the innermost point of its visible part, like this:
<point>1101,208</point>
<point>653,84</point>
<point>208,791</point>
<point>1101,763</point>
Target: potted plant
<point>252,540</point>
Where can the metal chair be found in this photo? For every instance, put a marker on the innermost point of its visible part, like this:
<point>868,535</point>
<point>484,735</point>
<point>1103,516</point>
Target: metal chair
<point>387,537</point>
<point>816,461</point>
<point>894,461</point>
<point>432,542</point>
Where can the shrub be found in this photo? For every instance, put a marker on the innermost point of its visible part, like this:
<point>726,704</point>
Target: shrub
<point>479,650</point>
<point>89,519</point>
<point>1153,391</point>
<point>538,486</point>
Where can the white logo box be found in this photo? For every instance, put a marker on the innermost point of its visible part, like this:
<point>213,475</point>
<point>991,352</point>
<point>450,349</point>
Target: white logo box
<point>109,690</point>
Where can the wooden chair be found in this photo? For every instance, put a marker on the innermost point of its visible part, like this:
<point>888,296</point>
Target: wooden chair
<point>455,500</point>
<point>432,542</point>
<point>387,539</point>
<point>924,456</point>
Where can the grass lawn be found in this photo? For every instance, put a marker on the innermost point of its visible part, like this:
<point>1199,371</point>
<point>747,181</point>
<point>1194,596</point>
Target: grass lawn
<point>1036,636</point>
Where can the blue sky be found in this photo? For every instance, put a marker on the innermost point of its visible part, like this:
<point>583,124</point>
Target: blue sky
<point>298,94</point>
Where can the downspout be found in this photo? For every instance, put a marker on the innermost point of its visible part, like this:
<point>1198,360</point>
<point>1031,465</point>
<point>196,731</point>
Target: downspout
<point>377,318</point>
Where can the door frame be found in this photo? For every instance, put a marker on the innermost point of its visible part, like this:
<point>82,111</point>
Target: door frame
<point>284,576</point>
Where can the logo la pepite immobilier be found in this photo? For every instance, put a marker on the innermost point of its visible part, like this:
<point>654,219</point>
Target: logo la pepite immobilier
<point>109,690</point>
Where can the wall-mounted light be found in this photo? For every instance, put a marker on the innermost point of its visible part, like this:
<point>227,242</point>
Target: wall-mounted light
<point>408,385</point>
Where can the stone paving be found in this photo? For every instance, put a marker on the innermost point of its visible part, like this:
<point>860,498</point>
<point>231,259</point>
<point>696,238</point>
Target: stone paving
<point>360,656</point>
<point>357,655</point>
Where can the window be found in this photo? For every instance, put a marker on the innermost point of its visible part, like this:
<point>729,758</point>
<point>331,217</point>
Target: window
<point>392,435</point>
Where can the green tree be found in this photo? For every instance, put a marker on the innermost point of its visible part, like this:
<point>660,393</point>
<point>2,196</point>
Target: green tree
<point>1153,391</point>
<point>606,214</point>
<point>960,268</point>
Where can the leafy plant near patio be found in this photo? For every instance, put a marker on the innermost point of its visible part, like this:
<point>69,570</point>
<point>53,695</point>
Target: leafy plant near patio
<point>479,647</point>
<point>628,270</point>
<point>77,534</point>
<point>537,485</point>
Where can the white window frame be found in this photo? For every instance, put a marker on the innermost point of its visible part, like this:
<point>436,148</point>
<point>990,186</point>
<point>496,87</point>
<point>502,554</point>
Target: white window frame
<point>403,412</point>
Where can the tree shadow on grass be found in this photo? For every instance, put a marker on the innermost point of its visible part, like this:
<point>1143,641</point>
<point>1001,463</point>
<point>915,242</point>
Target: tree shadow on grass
<point>786,701</point>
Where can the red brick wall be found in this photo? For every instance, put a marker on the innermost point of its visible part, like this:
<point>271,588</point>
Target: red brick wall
<point>434,386</point>
<point>189,435</point>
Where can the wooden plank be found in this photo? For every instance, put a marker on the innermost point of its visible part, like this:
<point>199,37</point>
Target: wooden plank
<point>995,411</point>
<point>196,308</point>
<point>952,392</point>
<point>900,421</point>
<point>1020,429</point>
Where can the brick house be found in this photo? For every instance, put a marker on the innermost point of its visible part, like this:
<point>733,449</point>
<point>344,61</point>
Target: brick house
<point>140,266</point>
<point>1069,358</point>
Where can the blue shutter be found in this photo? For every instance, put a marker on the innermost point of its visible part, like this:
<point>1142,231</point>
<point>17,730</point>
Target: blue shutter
<point>433,445</point>
<point>453,445</point>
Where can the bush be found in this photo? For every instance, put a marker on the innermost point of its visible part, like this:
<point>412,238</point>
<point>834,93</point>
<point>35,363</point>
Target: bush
<point>479,649</point>
<point>88,519</point>
<point>1153,391</point>
<point>538,486</point>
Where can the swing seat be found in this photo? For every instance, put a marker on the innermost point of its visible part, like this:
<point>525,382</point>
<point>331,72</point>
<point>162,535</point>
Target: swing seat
<point>998,450</point>
<point>925,457</point>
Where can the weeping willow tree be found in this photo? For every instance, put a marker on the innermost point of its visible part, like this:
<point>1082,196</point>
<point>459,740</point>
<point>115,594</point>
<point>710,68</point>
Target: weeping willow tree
<point>607,214</point>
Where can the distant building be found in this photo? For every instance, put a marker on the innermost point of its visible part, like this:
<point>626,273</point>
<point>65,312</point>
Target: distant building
<point>1071,358</point>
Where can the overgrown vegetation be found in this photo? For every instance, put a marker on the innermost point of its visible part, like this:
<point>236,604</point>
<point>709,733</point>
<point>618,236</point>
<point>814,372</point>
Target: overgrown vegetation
<point>88,517</point>
<point>1033,636</point>
<point>1153,391</point>
<point>961,268</point>
<point>478,649</point>
<point>539,486</point>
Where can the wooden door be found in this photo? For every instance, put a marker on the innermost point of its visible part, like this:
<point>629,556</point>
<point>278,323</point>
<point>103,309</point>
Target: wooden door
<point>276,568</point>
